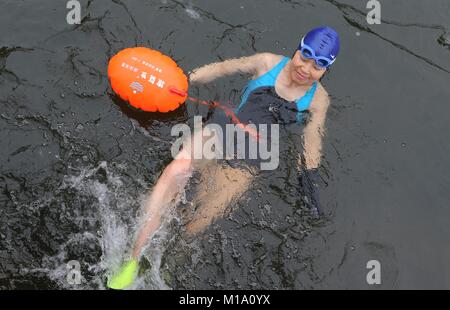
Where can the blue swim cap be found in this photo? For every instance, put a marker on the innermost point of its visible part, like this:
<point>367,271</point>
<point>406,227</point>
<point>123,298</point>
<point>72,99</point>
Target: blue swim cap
<point>324,41</point>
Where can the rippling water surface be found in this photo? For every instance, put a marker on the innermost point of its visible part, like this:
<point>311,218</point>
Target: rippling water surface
<point>77,162</point>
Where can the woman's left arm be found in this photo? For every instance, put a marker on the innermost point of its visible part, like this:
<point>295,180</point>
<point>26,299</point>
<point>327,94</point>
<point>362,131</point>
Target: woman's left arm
<point>314,131</point>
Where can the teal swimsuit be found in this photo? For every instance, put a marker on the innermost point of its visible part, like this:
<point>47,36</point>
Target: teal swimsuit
<point>266,83</point>
<point>261,105</point>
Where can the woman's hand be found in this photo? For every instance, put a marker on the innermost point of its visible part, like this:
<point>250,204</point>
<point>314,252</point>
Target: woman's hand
<point>309,181</point>
<point>196,77</point>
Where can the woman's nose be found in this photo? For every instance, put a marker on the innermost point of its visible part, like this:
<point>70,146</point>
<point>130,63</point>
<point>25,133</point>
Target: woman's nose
<point>306,67</point>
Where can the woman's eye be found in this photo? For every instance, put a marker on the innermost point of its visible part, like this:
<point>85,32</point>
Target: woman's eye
<point>318,68</point>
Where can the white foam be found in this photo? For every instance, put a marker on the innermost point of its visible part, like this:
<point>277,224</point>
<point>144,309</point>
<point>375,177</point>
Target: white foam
<point>117,208</point>
<point>192,13</point>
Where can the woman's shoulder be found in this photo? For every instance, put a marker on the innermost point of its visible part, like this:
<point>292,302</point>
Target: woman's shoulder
<point>321,91</point>
<point>321,99</point>
<point>269,61</point>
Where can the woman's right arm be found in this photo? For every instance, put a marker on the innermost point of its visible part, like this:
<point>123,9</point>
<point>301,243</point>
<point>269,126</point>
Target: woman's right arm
<point>246,65</point>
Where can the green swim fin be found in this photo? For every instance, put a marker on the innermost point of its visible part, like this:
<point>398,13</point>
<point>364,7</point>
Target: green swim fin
<point>125,277</point>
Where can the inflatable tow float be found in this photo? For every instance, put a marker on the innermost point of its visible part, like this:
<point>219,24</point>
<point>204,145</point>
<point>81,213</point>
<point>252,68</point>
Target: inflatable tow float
<point>153,82</point>
<point>148,80</point>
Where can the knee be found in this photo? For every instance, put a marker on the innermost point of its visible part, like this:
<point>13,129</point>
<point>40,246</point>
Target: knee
<point>179,167</point>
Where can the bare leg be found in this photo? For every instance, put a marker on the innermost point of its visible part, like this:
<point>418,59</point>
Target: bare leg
<point>219,186</point>
<point>171,182</point>
<point>169,185</point>
<point>167,188</point>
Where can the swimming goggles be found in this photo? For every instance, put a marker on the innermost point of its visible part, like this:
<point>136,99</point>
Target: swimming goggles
<point>308,52</point>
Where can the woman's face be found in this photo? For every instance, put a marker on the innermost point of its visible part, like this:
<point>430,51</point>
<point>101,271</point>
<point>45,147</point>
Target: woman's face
<point>305,71</point>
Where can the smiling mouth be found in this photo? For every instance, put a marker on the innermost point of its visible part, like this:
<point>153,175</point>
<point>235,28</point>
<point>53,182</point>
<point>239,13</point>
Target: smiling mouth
<point>301,76</point>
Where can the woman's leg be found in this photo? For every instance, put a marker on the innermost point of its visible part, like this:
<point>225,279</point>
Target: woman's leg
<point>169,185</point>
<point>219,186</point>
<point>171,182</point>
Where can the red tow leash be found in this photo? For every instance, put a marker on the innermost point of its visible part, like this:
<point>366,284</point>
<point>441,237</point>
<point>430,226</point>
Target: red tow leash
<point>214,104</point>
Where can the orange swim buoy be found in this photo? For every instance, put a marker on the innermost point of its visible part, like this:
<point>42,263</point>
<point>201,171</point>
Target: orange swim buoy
<point>153,82</point>
<point>147,79</point>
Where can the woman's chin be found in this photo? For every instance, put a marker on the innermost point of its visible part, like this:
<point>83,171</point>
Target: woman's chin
<point>304,82</point>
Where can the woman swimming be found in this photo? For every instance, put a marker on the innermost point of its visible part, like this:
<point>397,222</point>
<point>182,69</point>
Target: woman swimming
<point>280,91</point>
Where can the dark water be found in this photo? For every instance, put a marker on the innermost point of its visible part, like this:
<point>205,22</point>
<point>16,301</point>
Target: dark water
<point>76,162</point>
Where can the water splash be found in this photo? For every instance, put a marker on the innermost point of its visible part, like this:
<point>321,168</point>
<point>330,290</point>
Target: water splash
<point>192,13</point>
<point>111,221</point>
